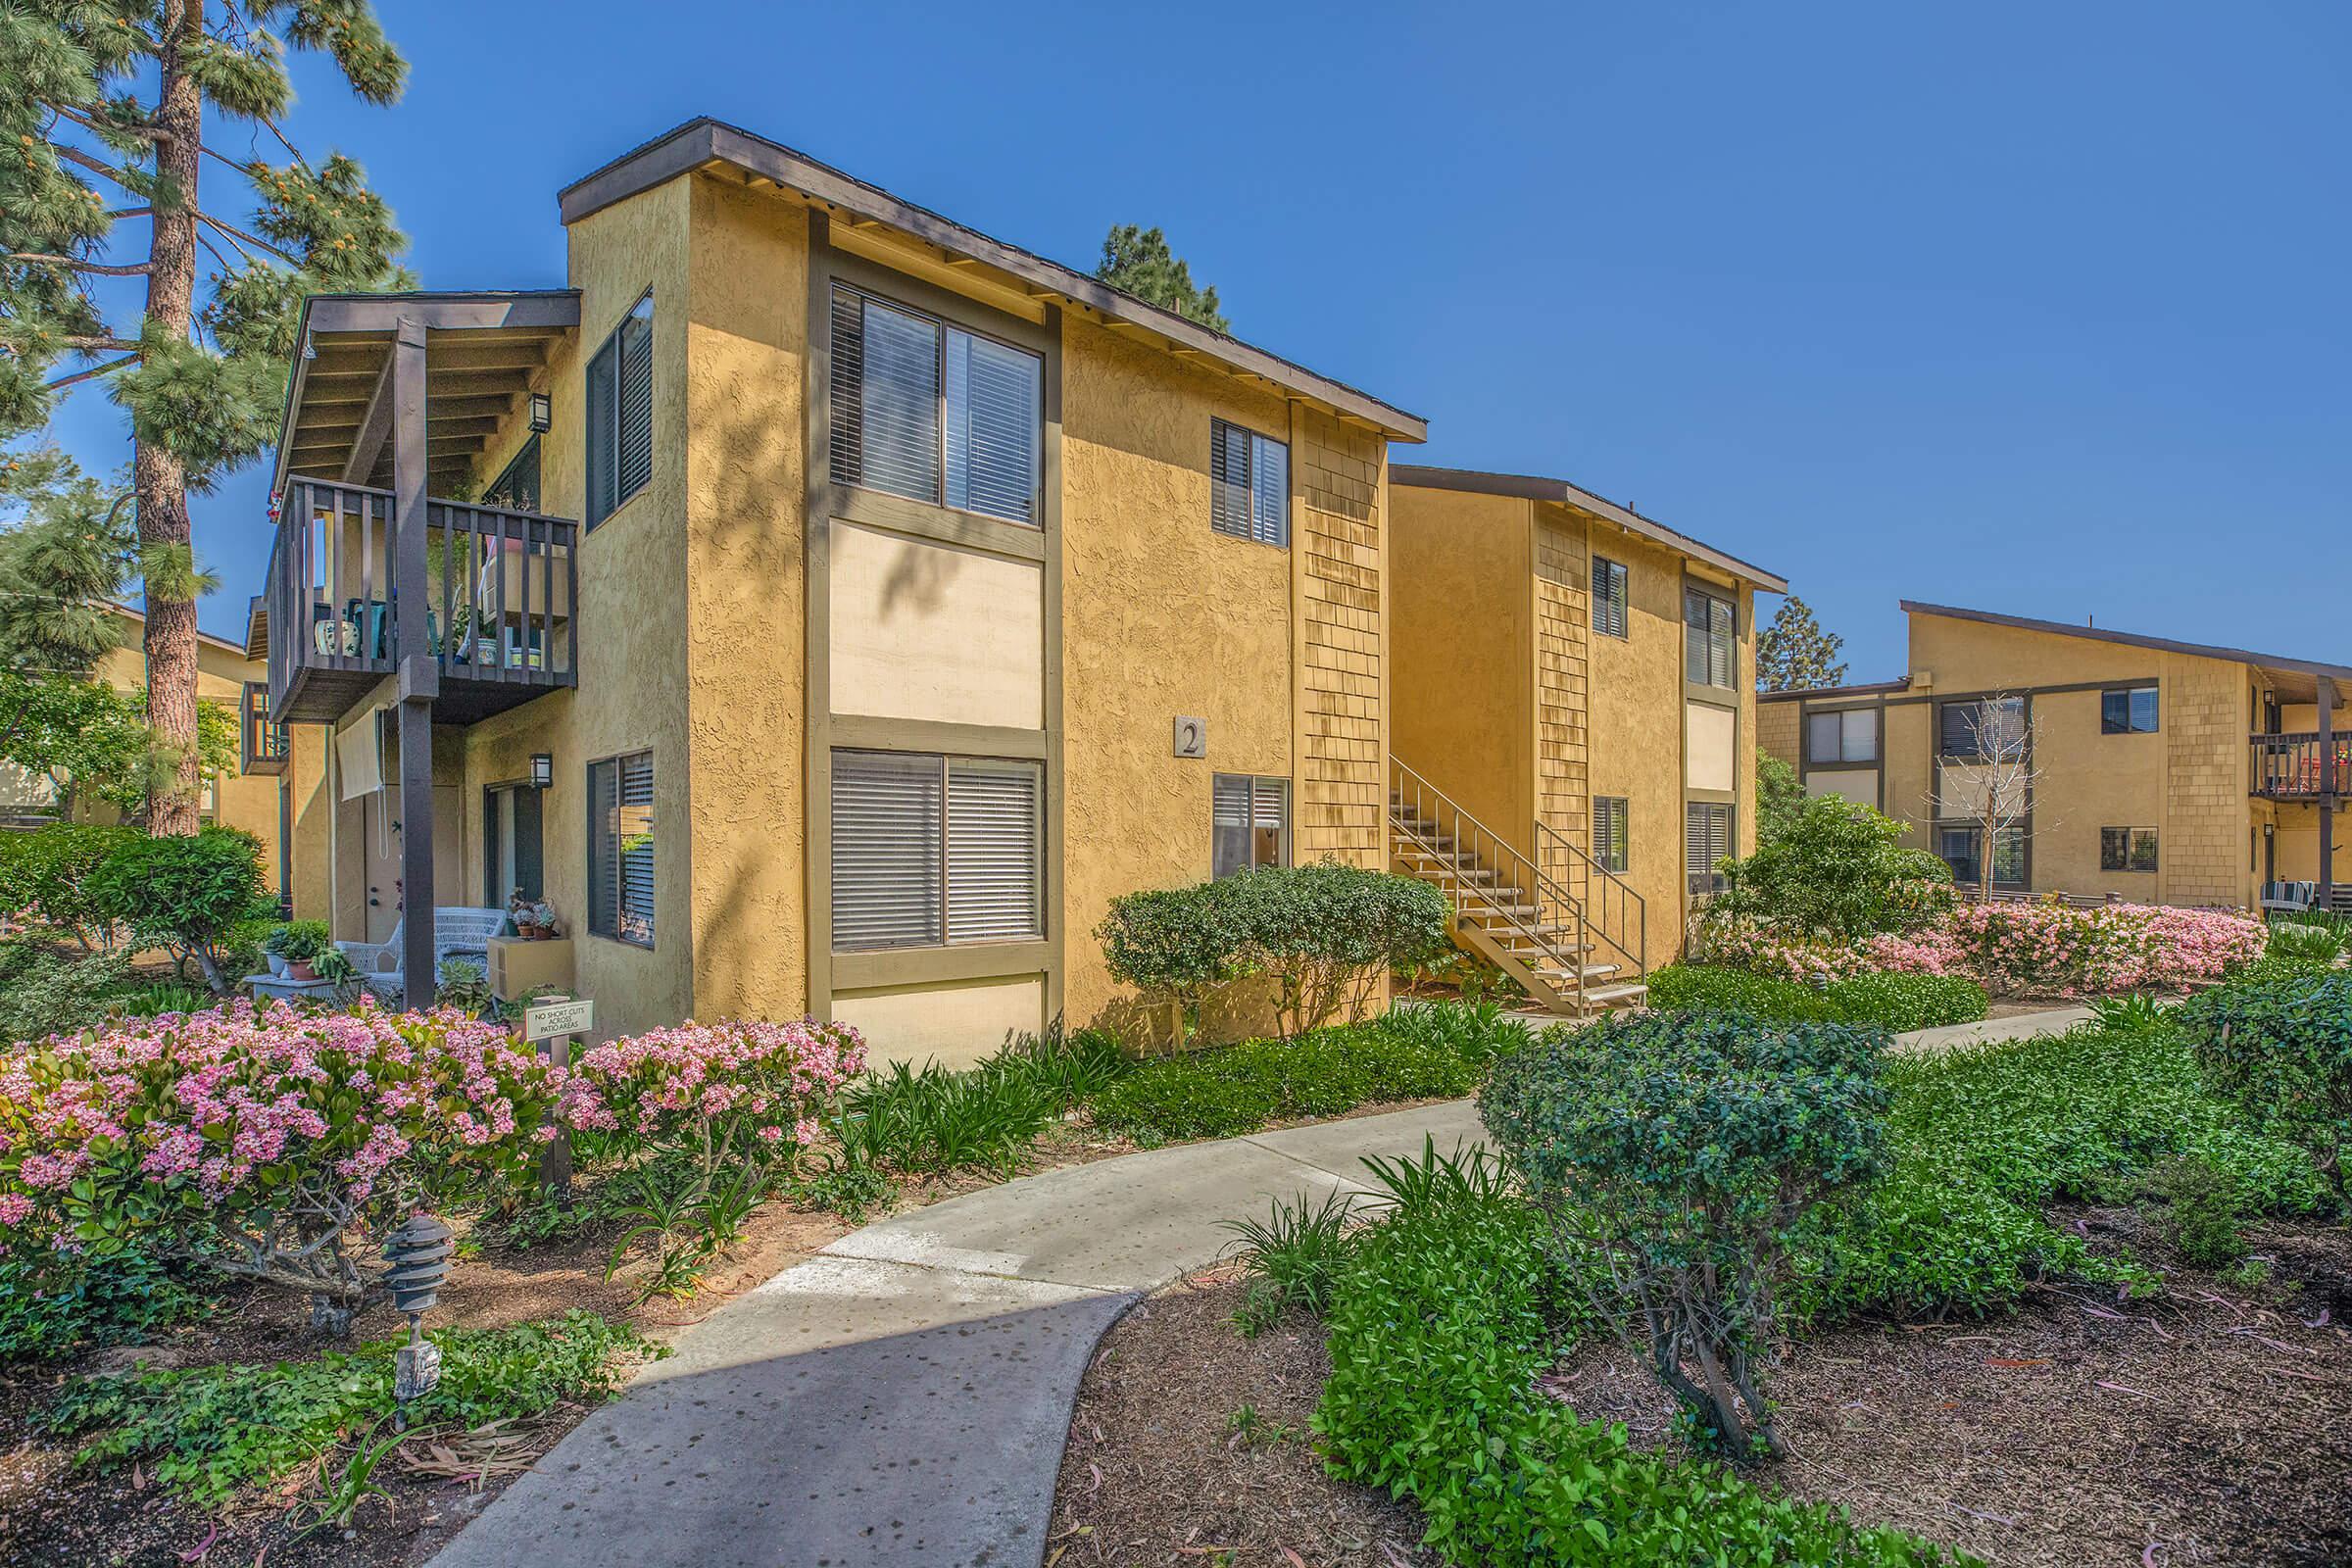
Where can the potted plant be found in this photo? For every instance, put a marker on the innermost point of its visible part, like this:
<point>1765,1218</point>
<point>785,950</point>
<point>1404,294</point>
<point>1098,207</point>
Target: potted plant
<point>300,943</point>
<point>534,918</point>
<point>274,950</point>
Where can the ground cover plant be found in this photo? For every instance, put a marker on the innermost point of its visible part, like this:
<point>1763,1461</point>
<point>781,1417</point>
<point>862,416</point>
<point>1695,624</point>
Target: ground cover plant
<point>2280,1044</point>
<point>1895,1001</point>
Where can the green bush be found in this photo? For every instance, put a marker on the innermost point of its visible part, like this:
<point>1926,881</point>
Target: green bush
<point>46,1311</point>
<point>1689,1148</point>
<point>45,877</point>
<point>189,894</point>
<point>1291,1258</point>
<point>1469,1031</point>
<point>2279,1046</point>
<point>1441,1325</point>
<point>1837,873</point>
<point>2201,1210</point>
<point>1323,934</point>
<point>1069,1065</point>
<point>1897,1001</point>
<point>1239,1088</point>
<point>935,1119</point>
<point>214,1430</point>
<point>299,941</point>
<point>2308,940</point>
<point>150,999</point>
<point>45,992</point>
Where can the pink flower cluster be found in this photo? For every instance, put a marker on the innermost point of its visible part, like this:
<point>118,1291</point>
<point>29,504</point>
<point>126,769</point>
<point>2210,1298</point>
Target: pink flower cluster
<point>768,1075</point>
<point>2053,949</point>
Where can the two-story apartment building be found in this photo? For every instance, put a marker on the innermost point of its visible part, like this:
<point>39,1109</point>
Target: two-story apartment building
<point>823,604</point>
<point>2161,770</point>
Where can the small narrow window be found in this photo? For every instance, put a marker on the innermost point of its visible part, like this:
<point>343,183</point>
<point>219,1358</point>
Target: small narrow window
<point>1609,599</point>
<point>2127,849</point>
<point>620,849</point>
<point>1249,822</point>
<point>1613,833</point>
<point>1707,638</point>
<point>1706,841</point>
<point>2128,711</point>
<point>1848,736</point>
<point>620,413</point>
<point>1248,485</point>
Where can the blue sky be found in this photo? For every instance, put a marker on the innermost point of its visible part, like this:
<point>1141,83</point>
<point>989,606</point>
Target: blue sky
<point>2039,309</point>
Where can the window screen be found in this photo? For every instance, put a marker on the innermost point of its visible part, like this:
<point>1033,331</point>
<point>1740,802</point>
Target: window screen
<point>1609,600</point>
<point>1707,639</point>
<point>1706,839</point>
<point>934,412</point>
<point>620,849</point>
<point>620,413</point>
<point>2130,711</point>
<point>1248,484</point>
<point>1249,822</point>
<point>930,849</point>
<point>1612,832</point>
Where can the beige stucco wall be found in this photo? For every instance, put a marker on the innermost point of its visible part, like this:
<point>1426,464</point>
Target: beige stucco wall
<point>954,1023</point>
<point>931,631</point>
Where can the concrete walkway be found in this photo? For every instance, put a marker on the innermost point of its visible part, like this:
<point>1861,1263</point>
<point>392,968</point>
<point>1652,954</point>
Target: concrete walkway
<point>902,1397</point>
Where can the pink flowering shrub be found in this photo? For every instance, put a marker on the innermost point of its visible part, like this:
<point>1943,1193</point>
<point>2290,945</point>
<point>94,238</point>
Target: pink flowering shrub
<point>271,1143</point>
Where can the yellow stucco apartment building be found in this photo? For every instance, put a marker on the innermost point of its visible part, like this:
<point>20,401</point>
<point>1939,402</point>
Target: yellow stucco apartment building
<point>2164,771</point>
<point>828,607</point>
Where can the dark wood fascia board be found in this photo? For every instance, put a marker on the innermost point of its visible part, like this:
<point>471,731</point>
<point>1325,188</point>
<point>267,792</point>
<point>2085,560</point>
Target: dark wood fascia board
<point>2128,639</point>
<point>1833,694</point>
<point>699,143</point>
<point>1533,487</point>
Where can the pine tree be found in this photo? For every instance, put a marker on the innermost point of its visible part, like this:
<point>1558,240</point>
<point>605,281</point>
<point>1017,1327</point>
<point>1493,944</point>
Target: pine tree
<point>66,550</point>
<point>1138,261</point>
<point>117,96</point>
<point>1794,653</point>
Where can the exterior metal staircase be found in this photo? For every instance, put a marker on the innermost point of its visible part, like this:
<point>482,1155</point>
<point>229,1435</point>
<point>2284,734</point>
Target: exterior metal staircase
<point>1574,956</point>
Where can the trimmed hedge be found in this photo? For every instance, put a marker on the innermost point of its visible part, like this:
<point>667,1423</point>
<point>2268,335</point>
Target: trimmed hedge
<point>2279,1043</point>
<point>1892,1001</point>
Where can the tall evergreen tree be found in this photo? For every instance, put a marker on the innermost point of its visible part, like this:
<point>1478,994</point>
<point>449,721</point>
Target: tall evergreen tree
<point>1138,261</point>
<point>66,550</point>
<point>103,102</point>
<point>1796,653</point>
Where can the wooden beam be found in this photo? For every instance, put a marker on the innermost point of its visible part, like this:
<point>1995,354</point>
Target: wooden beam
<point>375,426</point>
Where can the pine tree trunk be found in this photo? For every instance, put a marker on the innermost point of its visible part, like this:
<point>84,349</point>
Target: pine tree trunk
<point>157,476</point>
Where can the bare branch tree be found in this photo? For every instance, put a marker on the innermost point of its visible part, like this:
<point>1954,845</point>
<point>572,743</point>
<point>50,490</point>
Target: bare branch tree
<point>1989,778</point>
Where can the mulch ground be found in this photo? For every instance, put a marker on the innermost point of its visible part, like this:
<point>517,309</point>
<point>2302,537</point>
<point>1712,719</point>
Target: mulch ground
<point>2210,1426</point>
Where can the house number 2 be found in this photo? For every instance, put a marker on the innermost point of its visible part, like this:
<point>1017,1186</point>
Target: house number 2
<point>1192,736</point>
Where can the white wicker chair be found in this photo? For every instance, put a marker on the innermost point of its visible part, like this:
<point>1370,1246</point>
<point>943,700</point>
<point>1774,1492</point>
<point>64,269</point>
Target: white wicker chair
<point>460,931</point>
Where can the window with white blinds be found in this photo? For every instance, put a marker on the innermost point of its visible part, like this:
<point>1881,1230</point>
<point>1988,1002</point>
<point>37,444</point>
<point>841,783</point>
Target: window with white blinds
<point>934,412</point>
<point>1248,485</point>
<point>1610,601</point>
<point>1706,839</point>
<point>1707,638</point>
<point>1612,832</point>
<point>621,412</point>
<point>1249,822</point>
<point>1844,735</point>
<point>620,849</point>
<point>930,850</point>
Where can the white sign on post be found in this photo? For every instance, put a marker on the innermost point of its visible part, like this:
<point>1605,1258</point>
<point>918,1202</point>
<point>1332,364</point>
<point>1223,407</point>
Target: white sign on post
<point>555,1020</point>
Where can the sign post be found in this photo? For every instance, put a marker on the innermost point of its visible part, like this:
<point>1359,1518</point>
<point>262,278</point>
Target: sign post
<point>551,1025</point>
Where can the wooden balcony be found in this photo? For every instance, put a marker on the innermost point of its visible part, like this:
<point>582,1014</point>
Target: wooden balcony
<point>2294,767</point>
<point>498,621</point>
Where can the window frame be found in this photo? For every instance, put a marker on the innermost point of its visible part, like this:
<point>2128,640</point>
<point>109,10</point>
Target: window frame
<point>2130,724</point>
<point>1251,441</point>
<point>946,911</point>
<point>1614,851</point>
<point>2020,832</point>
<point>1618,624</point>
<point>941,327</point>
<point>1280,784</point>
<point>526,457</point>
<point>2124,859</point>
<point>1715,881</point>
<point>606,359</point>
<point>617,932</point>
<point>1946,706</point>
<point>1842,716</point>
<point>1706,594</point>
<point>262,746</point>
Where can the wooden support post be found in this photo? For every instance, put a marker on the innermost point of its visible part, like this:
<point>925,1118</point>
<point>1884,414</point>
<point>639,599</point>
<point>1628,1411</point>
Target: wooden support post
<point>414,696</point>
<point>2328,783</point>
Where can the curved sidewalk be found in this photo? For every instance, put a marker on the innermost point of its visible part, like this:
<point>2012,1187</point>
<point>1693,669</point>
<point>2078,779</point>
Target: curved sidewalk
<point>902,1397</point>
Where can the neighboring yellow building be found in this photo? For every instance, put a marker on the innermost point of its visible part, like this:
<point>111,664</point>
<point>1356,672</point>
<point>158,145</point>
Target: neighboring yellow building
<point>2164,771</point>
<point>261,796</point>
<point>924,597</point>
<point>1573,710</point>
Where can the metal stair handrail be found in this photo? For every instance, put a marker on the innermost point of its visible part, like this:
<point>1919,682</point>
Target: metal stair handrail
<point>1632,909</point>
<point>1424,793</point>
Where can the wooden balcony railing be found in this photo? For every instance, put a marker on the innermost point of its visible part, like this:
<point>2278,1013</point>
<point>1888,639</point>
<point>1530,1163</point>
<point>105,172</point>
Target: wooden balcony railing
<point>499,618</point>
<point>2294,767</point>
<point>262,746</point>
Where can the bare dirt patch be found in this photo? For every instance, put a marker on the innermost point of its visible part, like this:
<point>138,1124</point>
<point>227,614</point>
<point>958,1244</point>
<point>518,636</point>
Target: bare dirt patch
<point>2205,1427</point>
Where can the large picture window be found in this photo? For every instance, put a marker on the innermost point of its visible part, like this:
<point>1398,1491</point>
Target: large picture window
<point>1248,485</point>
<point>620,413</point>
<point>932,851</point>
<point>934,412</point>
<point>1848,736</point>
<point>620,849</point>
<point>1706,840</point>
<point>1249,822</point>
<point>1707,638</point>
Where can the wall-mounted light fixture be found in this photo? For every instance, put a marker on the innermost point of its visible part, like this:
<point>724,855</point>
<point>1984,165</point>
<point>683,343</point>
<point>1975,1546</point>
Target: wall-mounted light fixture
<point>542,411</point>
<point>2270,830</point>
<point>543,771</point>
